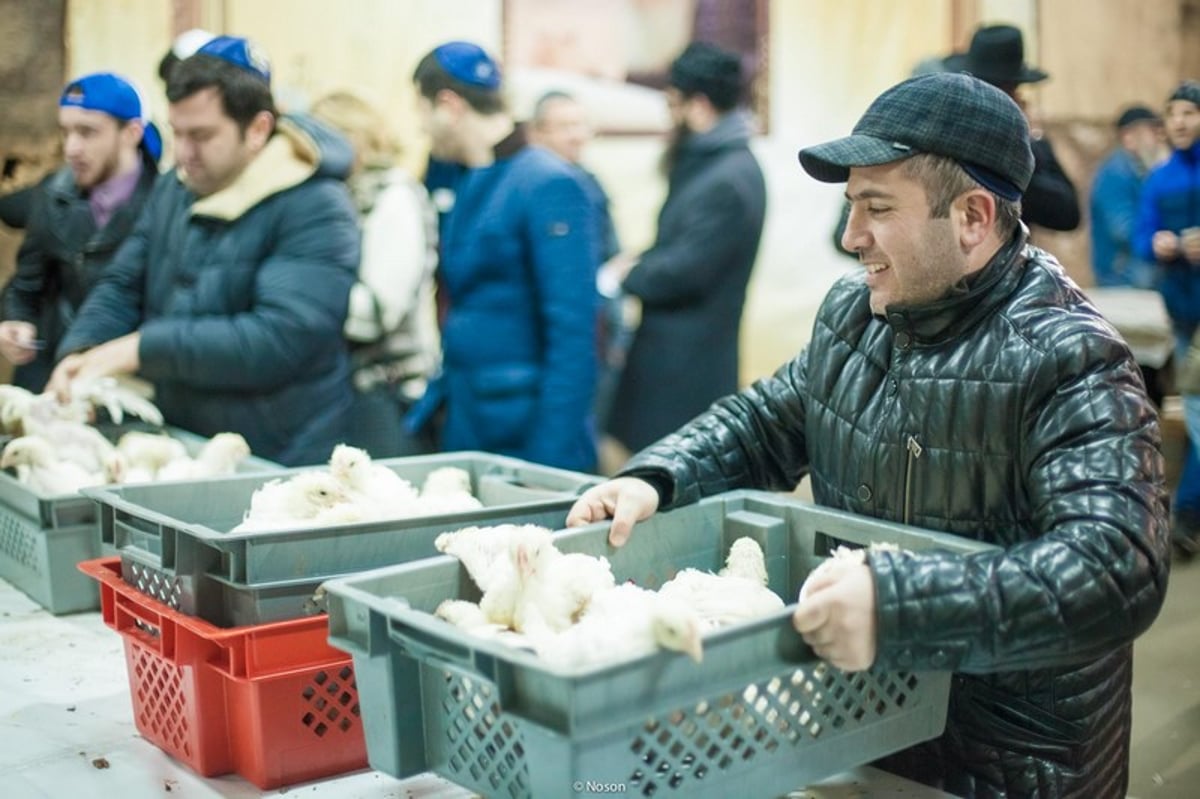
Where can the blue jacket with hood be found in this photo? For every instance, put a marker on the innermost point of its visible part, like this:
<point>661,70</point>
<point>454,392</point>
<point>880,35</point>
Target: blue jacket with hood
<point>240,298</point>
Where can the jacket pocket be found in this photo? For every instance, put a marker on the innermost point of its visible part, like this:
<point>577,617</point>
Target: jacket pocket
<point>502,404</point>
<point>1011,725</point>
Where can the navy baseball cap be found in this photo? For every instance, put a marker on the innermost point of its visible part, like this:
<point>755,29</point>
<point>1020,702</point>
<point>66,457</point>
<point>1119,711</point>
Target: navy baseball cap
<point>115,96</point>
<point>954,115</point>
<point>470,64</point>
<point>240,52</point>
<point>1188,90</point>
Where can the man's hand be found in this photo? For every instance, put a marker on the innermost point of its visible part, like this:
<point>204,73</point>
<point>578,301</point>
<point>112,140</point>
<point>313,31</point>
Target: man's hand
<point>836,615</point>
<point>626,500</point>
<point>1189,242</point>
<point>116,357</point>
<point>1165,245</point>
<point>613,271</point>
<point>18,342</point>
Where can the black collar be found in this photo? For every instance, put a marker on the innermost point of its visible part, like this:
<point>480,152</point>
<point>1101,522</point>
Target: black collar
<point>973,298</point>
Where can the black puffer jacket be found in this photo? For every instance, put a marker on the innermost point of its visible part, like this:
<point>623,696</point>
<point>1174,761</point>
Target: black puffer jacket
<point>1009,413</point>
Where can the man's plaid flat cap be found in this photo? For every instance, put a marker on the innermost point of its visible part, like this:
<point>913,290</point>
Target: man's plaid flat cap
<point>948,114</point>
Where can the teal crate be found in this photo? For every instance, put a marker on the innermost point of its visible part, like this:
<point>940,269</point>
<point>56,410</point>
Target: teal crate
<point>761,715</point>
<point>43,537</point>
<point>175,544</point>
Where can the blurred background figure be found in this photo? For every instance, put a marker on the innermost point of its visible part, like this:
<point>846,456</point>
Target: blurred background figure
<point>560,124</point>
<point>77,218</point>
<point>997,55</point>
<point>518,270</point>
<point>1116,195</point>
<point>1168,231</point>
<point>692,281</point>
<point>391,325</point>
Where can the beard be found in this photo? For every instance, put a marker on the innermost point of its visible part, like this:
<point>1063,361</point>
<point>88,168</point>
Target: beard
<point>677,140</point>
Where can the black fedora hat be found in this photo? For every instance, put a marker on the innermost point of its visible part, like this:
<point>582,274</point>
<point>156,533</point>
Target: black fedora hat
<point>996,55</point>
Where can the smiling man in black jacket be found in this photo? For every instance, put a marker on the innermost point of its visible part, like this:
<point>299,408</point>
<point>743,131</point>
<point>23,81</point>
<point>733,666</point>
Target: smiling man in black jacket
<point>960,382</point>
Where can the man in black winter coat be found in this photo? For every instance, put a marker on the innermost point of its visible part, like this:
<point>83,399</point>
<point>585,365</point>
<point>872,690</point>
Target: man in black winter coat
<point>962,383</point>
<point>77,218</point>
<point>692,281</point>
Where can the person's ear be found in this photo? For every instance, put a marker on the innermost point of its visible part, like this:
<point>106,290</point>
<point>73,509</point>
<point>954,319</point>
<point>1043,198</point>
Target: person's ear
<point>259,130</point>
<point>131,132</point>
<point>450,100</point>
<point>976,213</point>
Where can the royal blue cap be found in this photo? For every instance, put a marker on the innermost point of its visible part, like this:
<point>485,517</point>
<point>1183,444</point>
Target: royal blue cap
<point>115,96</point>
<point>470,64</point>
<point>239,52</point>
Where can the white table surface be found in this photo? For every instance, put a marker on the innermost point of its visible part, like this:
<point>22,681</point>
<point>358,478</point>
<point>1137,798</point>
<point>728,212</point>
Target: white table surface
<point>67,730</point>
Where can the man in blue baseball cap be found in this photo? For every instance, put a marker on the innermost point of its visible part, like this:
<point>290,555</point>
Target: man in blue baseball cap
<point>518,263</point>
<point>78,217</point>
<point>231,295</point>
<point>959,382</point>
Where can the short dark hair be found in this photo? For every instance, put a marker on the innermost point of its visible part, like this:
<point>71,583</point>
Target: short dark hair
<point>539,108</point>
<point>167,65</point>
<point>431,77</point>
<point>243,95</point>
<point>944,180</point>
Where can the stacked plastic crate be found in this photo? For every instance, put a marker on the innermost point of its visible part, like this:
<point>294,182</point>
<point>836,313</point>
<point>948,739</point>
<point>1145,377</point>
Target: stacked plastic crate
<point>226,639</point>
<point>761,715</point>
<point>42,538</point>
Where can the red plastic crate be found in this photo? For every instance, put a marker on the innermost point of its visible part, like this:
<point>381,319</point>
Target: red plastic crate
<point>273,703</point>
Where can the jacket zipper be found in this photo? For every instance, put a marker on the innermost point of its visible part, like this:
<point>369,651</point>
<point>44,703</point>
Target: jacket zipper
<point>914,451</point>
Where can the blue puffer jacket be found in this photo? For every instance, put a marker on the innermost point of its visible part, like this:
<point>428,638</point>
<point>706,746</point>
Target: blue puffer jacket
<point>240,298</point>
<point>1171,201</point>
<point>519,265</point>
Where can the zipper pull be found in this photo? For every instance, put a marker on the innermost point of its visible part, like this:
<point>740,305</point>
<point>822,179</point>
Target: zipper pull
<point>914,447</point>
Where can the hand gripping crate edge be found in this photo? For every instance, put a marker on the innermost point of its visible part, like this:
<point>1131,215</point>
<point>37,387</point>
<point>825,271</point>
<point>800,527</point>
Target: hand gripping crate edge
<point>42,538</point>
<point>174,544</point>
<point>760,716</point>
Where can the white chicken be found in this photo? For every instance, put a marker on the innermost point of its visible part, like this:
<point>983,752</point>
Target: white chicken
<point>147,453</point>
<point>37,465</point>
<point>279,504</point>
<point>218,456</point>
<point>118,396</point>
<point>484,551</point>
<point>469,616</point>
<point>447,489</point>
<point>729,597</point>
<point>547,590</point>
<point>622,623</point>
<point>392,495</point>
<point>15,403</point>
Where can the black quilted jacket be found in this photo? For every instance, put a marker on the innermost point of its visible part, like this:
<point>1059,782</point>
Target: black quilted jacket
<point>1009,413</point>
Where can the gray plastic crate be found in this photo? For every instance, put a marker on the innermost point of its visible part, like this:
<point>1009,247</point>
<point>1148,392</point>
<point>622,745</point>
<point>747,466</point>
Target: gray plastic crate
<point>43,537</point>
<point>761,715</point>
<point>175,546</point>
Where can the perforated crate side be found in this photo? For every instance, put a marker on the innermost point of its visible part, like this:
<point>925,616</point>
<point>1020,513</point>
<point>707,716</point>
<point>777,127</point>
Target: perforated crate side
<point>42,561</point>
<point>770,737</point>
<point>296,727</point>
<point>180,708</point>
<point>273,703</point>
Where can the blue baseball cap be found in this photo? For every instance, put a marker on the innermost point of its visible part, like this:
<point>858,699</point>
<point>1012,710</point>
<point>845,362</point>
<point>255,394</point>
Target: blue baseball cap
<point>115,96</point>
<point>470,64</point>
<point>241,53</point>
